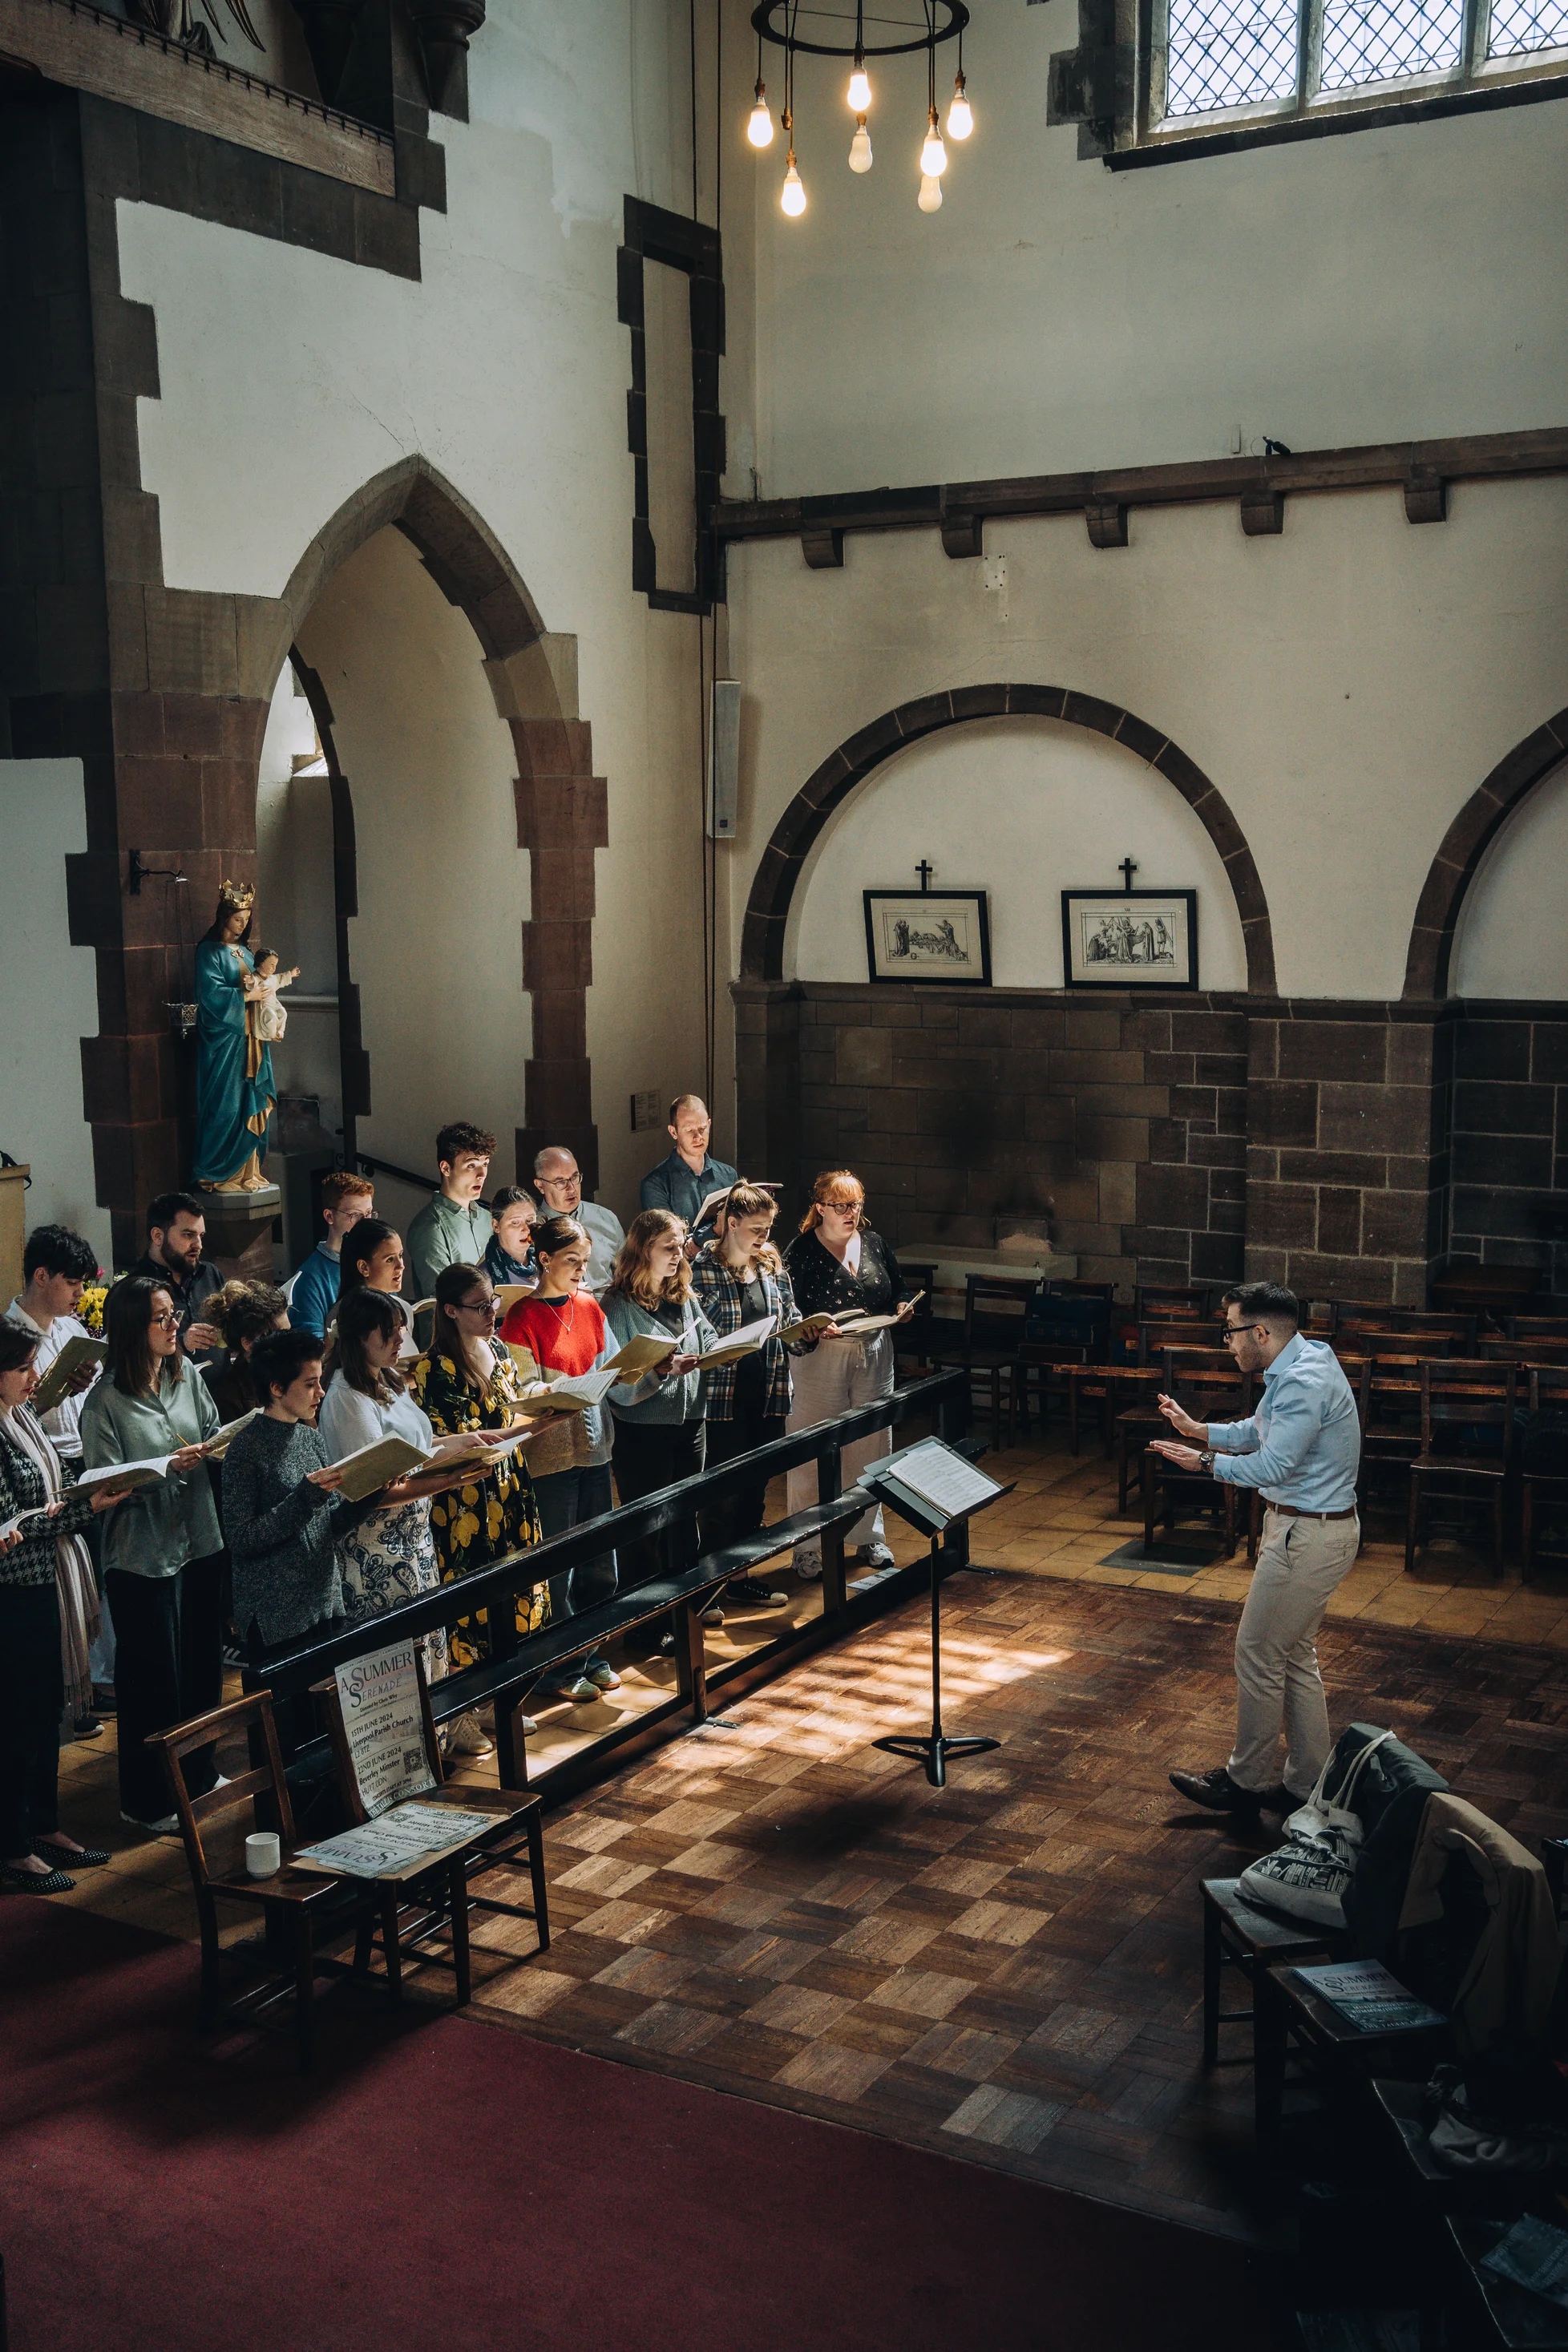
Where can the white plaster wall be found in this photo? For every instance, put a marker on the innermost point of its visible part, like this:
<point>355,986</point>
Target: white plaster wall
<point>437,947</point>
<point>290,379</point>
<point>1345,685</point>
<point>1053,315</point>
<point>296,910</point>
<point>1511,940</point>
<point>48,997</point>
<point>1023,808</point>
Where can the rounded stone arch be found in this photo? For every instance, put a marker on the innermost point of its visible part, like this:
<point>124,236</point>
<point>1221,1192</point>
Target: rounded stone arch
<point>777,876</point>
<point>1463,847</point>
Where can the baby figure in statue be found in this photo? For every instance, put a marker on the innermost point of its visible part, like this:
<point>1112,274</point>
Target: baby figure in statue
<point>261,994</point>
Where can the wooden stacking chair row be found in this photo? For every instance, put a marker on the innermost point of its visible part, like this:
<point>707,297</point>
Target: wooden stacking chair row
<point>1537,1327</point>
<point>1205,1382</point>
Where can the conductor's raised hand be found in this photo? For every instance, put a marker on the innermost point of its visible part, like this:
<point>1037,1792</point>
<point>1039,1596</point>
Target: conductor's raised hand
<point>1183,1422</point>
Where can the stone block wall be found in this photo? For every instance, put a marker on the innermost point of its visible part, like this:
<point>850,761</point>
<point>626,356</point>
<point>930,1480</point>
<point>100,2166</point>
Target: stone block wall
<point>1350,1149</point>
<point>1510,1141</point>
<point>1347,1179</point>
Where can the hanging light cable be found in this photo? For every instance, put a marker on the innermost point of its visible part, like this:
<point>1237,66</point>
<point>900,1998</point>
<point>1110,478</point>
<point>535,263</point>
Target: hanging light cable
<point>858,95</point>
<point>792,195</point>
<point>933,154</point>
<point>760,123</point>
<point>960,116</point>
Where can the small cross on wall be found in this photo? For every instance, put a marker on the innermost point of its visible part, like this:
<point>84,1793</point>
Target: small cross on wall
<point>925,869</point>
<point>1127,869</point>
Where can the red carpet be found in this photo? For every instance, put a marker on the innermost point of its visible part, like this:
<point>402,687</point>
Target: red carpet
<point>442,2184</point>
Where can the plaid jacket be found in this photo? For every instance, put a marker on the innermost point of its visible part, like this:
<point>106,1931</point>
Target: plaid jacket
<point>723,1298</point>
<point>32,1561</point>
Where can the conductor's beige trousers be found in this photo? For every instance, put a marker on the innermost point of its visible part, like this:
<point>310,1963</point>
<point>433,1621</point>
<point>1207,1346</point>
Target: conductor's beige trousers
<point>1278,1686</point>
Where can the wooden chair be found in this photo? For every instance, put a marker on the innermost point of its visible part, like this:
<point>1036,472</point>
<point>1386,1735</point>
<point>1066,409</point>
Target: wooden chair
<point>1045,1357</point>
<point>990,1355</point>
<point>1353,1335</point>
<point>1548,1392</point>
<point>416,1910</point>
<point>915,1337</point>
<point>1165,1302</point>
<point>1459,1397</point>
<point>1537,1327</point>
<point>1524,1352</point>
<point>295,1905</point>
<point>1460,1330</point>
<point>1206,1375</point>
<point>1386,1377</point>
<point>1170,1493</point>
<point>1374,1312</point>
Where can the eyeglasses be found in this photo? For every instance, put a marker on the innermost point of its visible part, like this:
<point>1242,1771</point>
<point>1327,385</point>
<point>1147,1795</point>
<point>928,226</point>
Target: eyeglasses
<point>164,1322</point>
<point>480,1306</point>
<point>1230,1332</point>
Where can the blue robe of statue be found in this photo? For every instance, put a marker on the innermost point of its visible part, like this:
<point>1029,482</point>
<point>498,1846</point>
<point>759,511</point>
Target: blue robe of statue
<point>234,1086</point>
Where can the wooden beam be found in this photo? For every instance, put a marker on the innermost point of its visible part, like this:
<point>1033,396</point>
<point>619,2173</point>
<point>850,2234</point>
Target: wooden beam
<point>69,42</point>
<point>1420,470</point>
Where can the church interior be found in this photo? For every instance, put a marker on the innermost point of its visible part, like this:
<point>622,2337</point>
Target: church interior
<point>784,1174</point>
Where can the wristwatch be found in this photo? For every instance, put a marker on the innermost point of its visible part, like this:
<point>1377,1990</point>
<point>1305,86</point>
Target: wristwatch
<point>1205,1458</point>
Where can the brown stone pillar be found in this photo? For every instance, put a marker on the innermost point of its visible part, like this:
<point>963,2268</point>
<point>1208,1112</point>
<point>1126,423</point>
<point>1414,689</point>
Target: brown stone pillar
<point>563,816</point>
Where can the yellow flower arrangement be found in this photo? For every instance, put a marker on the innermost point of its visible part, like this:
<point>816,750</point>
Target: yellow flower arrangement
<point>91,1310</point>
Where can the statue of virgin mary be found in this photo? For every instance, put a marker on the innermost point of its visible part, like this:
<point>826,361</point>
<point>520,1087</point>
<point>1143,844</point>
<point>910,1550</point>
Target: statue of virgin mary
<point>234,1086</point>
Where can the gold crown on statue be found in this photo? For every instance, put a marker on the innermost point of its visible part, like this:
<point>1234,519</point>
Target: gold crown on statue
<point>236,894</point>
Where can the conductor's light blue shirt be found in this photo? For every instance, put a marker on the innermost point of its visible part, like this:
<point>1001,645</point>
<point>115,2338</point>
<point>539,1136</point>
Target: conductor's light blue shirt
<point>1302,1446</point>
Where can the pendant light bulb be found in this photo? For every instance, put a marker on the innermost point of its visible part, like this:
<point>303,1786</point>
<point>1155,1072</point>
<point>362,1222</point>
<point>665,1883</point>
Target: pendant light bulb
<point>792,195</point>
<point>860,147</point>
<point>960,116</point>
<point>858,97</point>
<point>930,197</point>
<point>933,154</point>
<point>760,123</point>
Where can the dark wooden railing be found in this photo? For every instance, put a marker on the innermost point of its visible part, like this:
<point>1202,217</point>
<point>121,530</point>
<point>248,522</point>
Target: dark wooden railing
<point>680,1591</point>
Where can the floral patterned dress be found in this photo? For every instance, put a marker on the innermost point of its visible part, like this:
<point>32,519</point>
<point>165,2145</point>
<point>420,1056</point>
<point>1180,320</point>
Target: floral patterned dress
<point>484,1518</point>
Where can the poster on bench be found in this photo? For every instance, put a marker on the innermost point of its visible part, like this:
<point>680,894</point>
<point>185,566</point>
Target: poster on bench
<point>379,1695</point>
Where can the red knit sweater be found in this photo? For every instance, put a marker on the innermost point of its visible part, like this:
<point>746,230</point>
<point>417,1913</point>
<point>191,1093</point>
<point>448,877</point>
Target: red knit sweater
<point>564,1335</point>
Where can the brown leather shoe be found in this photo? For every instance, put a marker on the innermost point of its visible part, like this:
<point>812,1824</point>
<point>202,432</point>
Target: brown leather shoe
<point>1218,1792</point>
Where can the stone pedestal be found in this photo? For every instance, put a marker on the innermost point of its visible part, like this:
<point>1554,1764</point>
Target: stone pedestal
<point>241,1230</point>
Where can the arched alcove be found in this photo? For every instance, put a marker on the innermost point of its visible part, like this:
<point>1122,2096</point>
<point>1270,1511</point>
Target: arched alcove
<point>1508,936</point>
<point>778,876</point>
<point>1457,861</point>
<point>449,721</point>
<point>1023,807</point>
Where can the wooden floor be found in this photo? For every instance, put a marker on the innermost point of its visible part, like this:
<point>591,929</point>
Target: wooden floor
<point>1007,1970</point>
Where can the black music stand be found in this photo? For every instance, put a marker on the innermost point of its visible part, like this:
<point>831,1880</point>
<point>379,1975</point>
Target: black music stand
<point>932,1486</point>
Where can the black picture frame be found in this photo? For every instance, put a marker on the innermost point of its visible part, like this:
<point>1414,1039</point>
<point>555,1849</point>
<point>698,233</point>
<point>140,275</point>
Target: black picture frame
<point>1180,973</point>
<point>963,916</point>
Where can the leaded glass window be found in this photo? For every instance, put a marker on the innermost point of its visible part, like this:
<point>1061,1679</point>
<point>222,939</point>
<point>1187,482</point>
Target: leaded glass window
<point>1383,40</point>
<point>1224,54</point>
<point>1521,26</point>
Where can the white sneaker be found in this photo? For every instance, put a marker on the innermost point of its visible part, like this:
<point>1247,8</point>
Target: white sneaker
<point>807,1562</point>
<point>464,1738</point>
<point>168,1827</point>
<point>603,1675</point>
<point>874,1555</point>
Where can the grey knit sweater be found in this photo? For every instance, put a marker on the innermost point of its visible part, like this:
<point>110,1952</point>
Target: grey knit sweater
<point>283,1533</point>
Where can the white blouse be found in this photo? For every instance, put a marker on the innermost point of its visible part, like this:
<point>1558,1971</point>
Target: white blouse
<point>349,1419</point>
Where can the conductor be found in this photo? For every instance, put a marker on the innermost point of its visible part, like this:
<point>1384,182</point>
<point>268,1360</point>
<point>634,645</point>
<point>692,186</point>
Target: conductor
<point>1303,1448</point>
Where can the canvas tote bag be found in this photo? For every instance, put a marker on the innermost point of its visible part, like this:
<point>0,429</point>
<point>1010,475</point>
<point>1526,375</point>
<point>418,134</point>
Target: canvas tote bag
<point>1308,1875</point>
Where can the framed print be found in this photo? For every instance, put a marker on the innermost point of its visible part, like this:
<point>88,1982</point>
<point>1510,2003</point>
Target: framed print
<point>942,937</point>
<point>1130,938</point>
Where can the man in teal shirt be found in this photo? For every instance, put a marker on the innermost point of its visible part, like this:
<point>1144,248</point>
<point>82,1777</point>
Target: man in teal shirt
<point>453,1228</point>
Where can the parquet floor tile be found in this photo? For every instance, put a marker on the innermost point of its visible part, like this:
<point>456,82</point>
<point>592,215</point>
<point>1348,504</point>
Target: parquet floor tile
<point>1007,1969</point>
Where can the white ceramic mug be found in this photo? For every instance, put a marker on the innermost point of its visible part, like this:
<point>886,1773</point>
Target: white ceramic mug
<point>263,1854</point>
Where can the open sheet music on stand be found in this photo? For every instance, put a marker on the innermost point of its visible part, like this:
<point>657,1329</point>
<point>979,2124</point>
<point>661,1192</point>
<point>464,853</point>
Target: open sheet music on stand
<point>932,1486</point>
